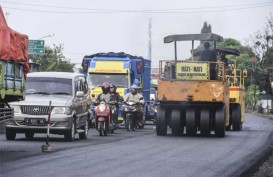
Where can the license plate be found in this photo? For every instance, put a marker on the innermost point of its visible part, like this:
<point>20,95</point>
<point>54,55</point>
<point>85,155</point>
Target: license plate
<point>35,121</point>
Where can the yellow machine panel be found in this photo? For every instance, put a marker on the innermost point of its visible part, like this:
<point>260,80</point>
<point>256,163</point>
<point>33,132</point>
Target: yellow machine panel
<point>207,91</point>
<point>108,67</point>
<point>237,96</point>
<point>192,71</point>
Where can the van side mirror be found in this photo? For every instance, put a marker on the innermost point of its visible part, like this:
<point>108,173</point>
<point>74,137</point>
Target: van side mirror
<point>245,73</point>
<point>79,94</point>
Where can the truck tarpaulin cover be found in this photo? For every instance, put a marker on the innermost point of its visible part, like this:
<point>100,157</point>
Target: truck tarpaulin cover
<point>13,45</point>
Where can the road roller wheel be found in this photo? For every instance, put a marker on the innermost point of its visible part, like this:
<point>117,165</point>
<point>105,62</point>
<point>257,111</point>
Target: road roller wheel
<point>177,127</point>
<point>191,127</point>
<point>220,127</point>
<point>236,118</point>
<point>205,126</point>
<point>161,126</point>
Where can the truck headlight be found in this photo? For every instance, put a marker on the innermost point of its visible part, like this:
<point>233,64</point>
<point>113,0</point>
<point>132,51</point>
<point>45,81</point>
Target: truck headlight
<point>60,110</point>
<point>16,108</point>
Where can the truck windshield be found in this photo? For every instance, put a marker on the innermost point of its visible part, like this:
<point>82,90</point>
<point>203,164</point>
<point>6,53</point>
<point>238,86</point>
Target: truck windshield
<point>120,80</point>
<point>46,85</point>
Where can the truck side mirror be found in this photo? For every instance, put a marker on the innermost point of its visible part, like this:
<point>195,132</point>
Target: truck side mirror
<point>245,73</point>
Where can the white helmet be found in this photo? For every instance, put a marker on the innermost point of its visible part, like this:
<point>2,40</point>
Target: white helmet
<point>134,89</point>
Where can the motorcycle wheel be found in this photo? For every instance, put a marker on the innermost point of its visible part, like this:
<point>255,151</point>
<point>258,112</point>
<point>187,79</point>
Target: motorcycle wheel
<point>100,128</point>
<point>128,123</point>
<point>105,133</point>
<point>140,125</point>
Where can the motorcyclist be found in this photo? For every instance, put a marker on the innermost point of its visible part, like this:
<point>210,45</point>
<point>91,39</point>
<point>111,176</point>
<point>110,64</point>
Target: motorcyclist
<point>116,99</point>
<point>105,95</point>
<point>136,97</point>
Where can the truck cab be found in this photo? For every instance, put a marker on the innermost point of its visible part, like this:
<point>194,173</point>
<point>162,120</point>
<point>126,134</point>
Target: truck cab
<point>119,68</point>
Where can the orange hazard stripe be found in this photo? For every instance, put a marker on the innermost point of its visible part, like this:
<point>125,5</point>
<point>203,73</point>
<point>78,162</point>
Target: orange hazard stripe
<point>236,89</point>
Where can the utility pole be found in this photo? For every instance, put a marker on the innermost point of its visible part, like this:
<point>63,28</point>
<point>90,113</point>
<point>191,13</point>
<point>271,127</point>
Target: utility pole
<point>150,40</point>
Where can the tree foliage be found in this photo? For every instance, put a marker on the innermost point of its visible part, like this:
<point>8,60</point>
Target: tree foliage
<point>244,60</point>
<point>206,28</point>
<point>54,60</point>
<point>252,95</point>
<point>262,45</point>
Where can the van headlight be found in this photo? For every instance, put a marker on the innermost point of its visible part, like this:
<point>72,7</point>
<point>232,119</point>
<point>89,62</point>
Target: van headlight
<point>60,110</point>
<point>16,108</point>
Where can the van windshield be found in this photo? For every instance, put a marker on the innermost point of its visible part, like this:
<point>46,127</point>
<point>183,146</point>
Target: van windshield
<point>120,80</point>
<point>48,85</point>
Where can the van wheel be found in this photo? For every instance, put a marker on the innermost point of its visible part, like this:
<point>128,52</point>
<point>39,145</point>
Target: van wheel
<point>84,134</point>
<point>10,134</point>
<point>70,135</point>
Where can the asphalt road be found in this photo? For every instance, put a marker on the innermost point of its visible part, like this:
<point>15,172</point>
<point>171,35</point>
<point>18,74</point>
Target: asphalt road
<point>139,153</point>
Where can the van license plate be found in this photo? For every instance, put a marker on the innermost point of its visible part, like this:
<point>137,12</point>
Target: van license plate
<point>35,121</point>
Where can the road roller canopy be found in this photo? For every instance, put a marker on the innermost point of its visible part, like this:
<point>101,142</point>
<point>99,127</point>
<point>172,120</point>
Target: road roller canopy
<point>219,49</point>
<point>194,37</point>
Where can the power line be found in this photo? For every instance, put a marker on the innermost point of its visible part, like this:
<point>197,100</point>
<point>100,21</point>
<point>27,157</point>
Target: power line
<point>112,10</point>
<point>89,11</point>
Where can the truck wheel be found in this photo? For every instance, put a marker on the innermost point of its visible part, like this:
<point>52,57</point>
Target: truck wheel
<point>191,127</point>
<point>161,126</point>
<point>10,134</point>
<point>84,134</point>
<point>177,127</point>
<point>205,126</point>
<point>236,118</point>
<point>29,135</point>
<point>220,127</point>
<point>70,135</point>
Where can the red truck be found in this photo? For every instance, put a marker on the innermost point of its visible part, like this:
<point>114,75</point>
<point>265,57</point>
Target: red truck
<point>13,67</point>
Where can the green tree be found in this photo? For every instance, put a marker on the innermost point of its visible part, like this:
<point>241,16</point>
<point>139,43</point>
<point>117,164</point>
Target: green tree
<point>206,28</point>
<point>262,45</point>
<point>252,95</point>
<point>54,60</point>
<point>244,60</point>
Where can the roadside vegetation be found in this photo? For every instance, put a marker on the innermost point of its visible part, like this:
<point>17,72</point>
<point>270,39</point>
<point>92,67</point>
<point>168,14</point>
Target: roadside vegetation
<point>54,60</point>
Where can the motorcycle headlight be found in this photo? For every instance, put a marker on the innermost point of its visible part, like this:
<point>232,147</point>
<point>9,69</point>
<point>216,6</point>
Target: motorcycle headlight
<point>102,107</point>
<point>60,110</point>
<point>16,108</point>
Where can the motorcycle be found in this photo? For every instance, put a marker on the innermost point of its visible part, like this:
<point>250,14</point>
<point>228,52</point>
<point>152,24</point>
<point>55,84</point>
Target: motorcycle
<point>131,116</point>
<point>102,119</point>
<point>113,115</point>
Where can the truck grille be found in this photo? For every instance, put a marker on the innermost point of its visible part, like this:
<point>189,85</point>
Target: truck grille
<point>35,110</point>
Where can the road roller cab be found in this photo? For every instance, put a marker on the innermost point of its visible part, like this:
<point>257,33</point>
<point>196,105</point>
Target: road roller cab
<point>189,97</point>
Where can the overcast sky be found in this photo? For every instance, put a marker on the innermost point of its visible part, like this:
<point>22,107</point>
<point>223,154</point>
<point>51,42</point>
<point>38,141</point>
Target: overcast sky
<point>92,26</point>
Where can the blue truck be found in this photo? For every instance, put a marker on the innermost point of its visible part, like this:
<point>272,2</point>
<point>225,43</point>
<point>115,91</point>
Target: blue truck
<point>122,69</point>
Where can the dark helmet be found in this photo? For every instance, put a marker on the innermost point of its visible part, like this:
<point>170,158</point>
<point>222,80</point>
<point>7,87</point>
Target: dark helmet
<point>113,86</point>
<point>105,87</point>
<point>134,89</point>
